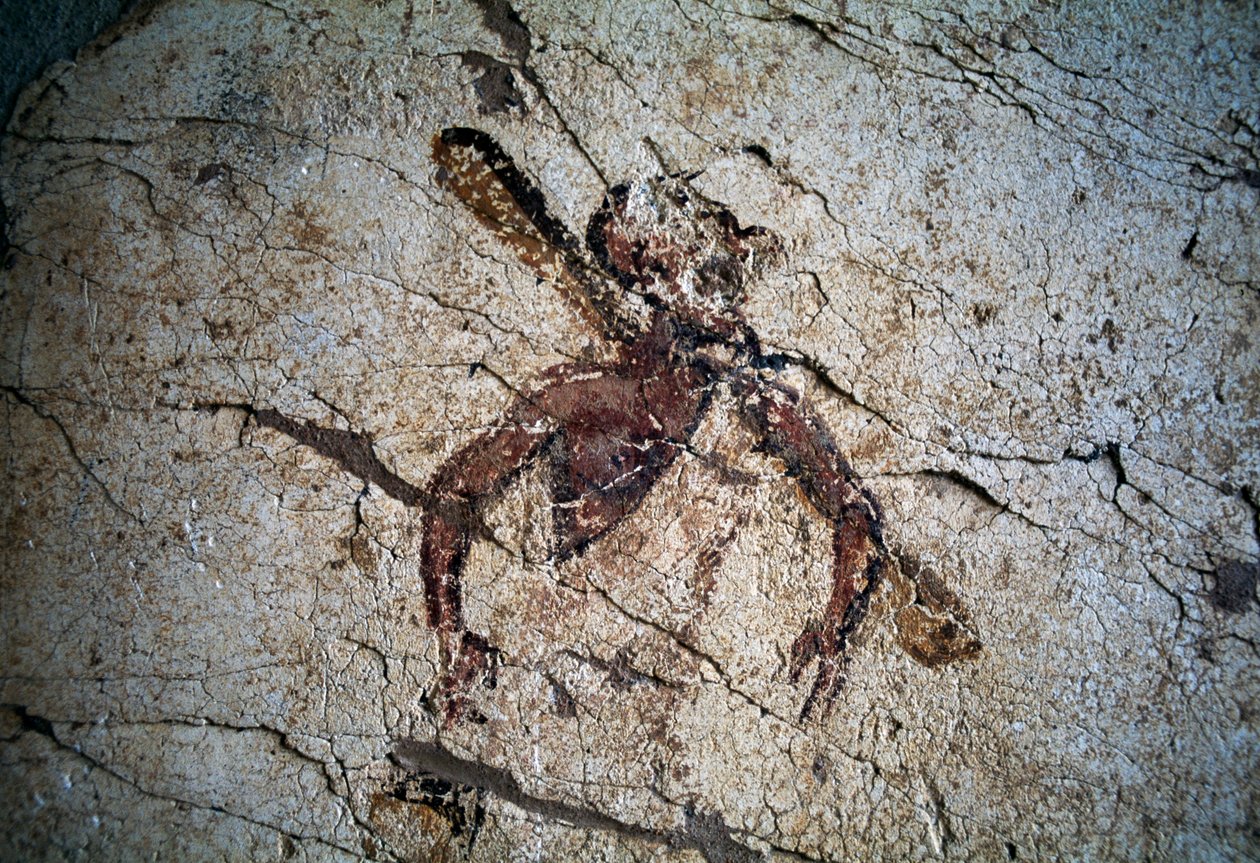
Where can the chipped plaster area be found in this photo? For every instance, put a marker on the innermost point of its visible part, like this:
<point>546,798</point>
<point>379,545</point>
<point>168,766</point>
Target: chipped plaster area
<point>1019,288</point>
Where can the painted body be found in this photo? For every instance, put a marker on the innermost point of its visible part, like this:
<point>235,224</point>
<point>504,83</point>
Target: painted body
<point>608,431</point>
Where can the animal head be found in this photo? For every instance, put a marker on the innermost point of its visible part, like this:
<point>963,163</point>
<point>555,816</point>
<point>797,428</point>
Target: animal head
<point>680,251</point>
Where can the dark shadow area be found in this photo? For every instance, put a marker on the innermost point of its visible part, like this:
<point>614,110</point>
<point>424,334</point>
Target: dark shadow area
<point>34,33</point>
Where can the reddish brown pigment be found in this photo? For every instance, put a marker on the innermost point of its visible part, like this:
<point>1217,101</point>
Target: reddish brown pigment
<point>607,431</point>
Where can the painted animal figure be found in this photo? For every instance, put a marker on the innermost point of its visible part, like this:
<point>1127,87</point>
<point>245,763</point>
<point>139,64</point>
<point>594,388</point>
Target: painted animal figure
<point>662,275</point>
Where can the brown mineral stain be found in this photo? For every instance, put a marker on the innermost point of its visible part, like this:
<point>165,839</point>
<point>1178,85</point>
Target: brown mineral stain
<point>218,330</point>
<point>362,554</point>
<point>412,830</point>
<point>870,446</point>
<point>984,313</point>
<point>932,626</point>
<point>308,233</point>
<point>932,641</point>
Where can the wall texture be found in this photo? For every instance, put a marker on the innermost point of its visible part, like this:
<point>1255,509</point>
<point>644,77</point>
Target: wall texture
<point>922,524</point>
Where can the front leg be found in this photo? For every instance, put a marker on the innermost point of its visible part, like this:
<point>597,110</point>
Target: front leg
<point>801,442</point>
<point>471,476</point>
<point>857,557</point>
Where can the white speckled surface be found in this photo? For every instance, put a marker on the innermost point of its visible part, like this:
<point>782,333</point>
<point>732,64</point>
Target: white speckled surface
<point>1019,288</point>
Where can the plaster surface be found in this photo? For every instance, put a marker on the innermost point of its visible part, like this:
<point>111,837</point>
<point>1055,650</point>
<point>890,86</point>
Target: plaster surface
<point>1018,288</point>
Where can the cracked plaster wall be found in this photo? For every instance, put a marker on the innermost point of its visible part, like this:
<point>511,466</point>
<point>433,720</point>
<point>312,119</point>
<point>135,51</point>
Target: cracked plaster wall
<point>1020,289</point>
